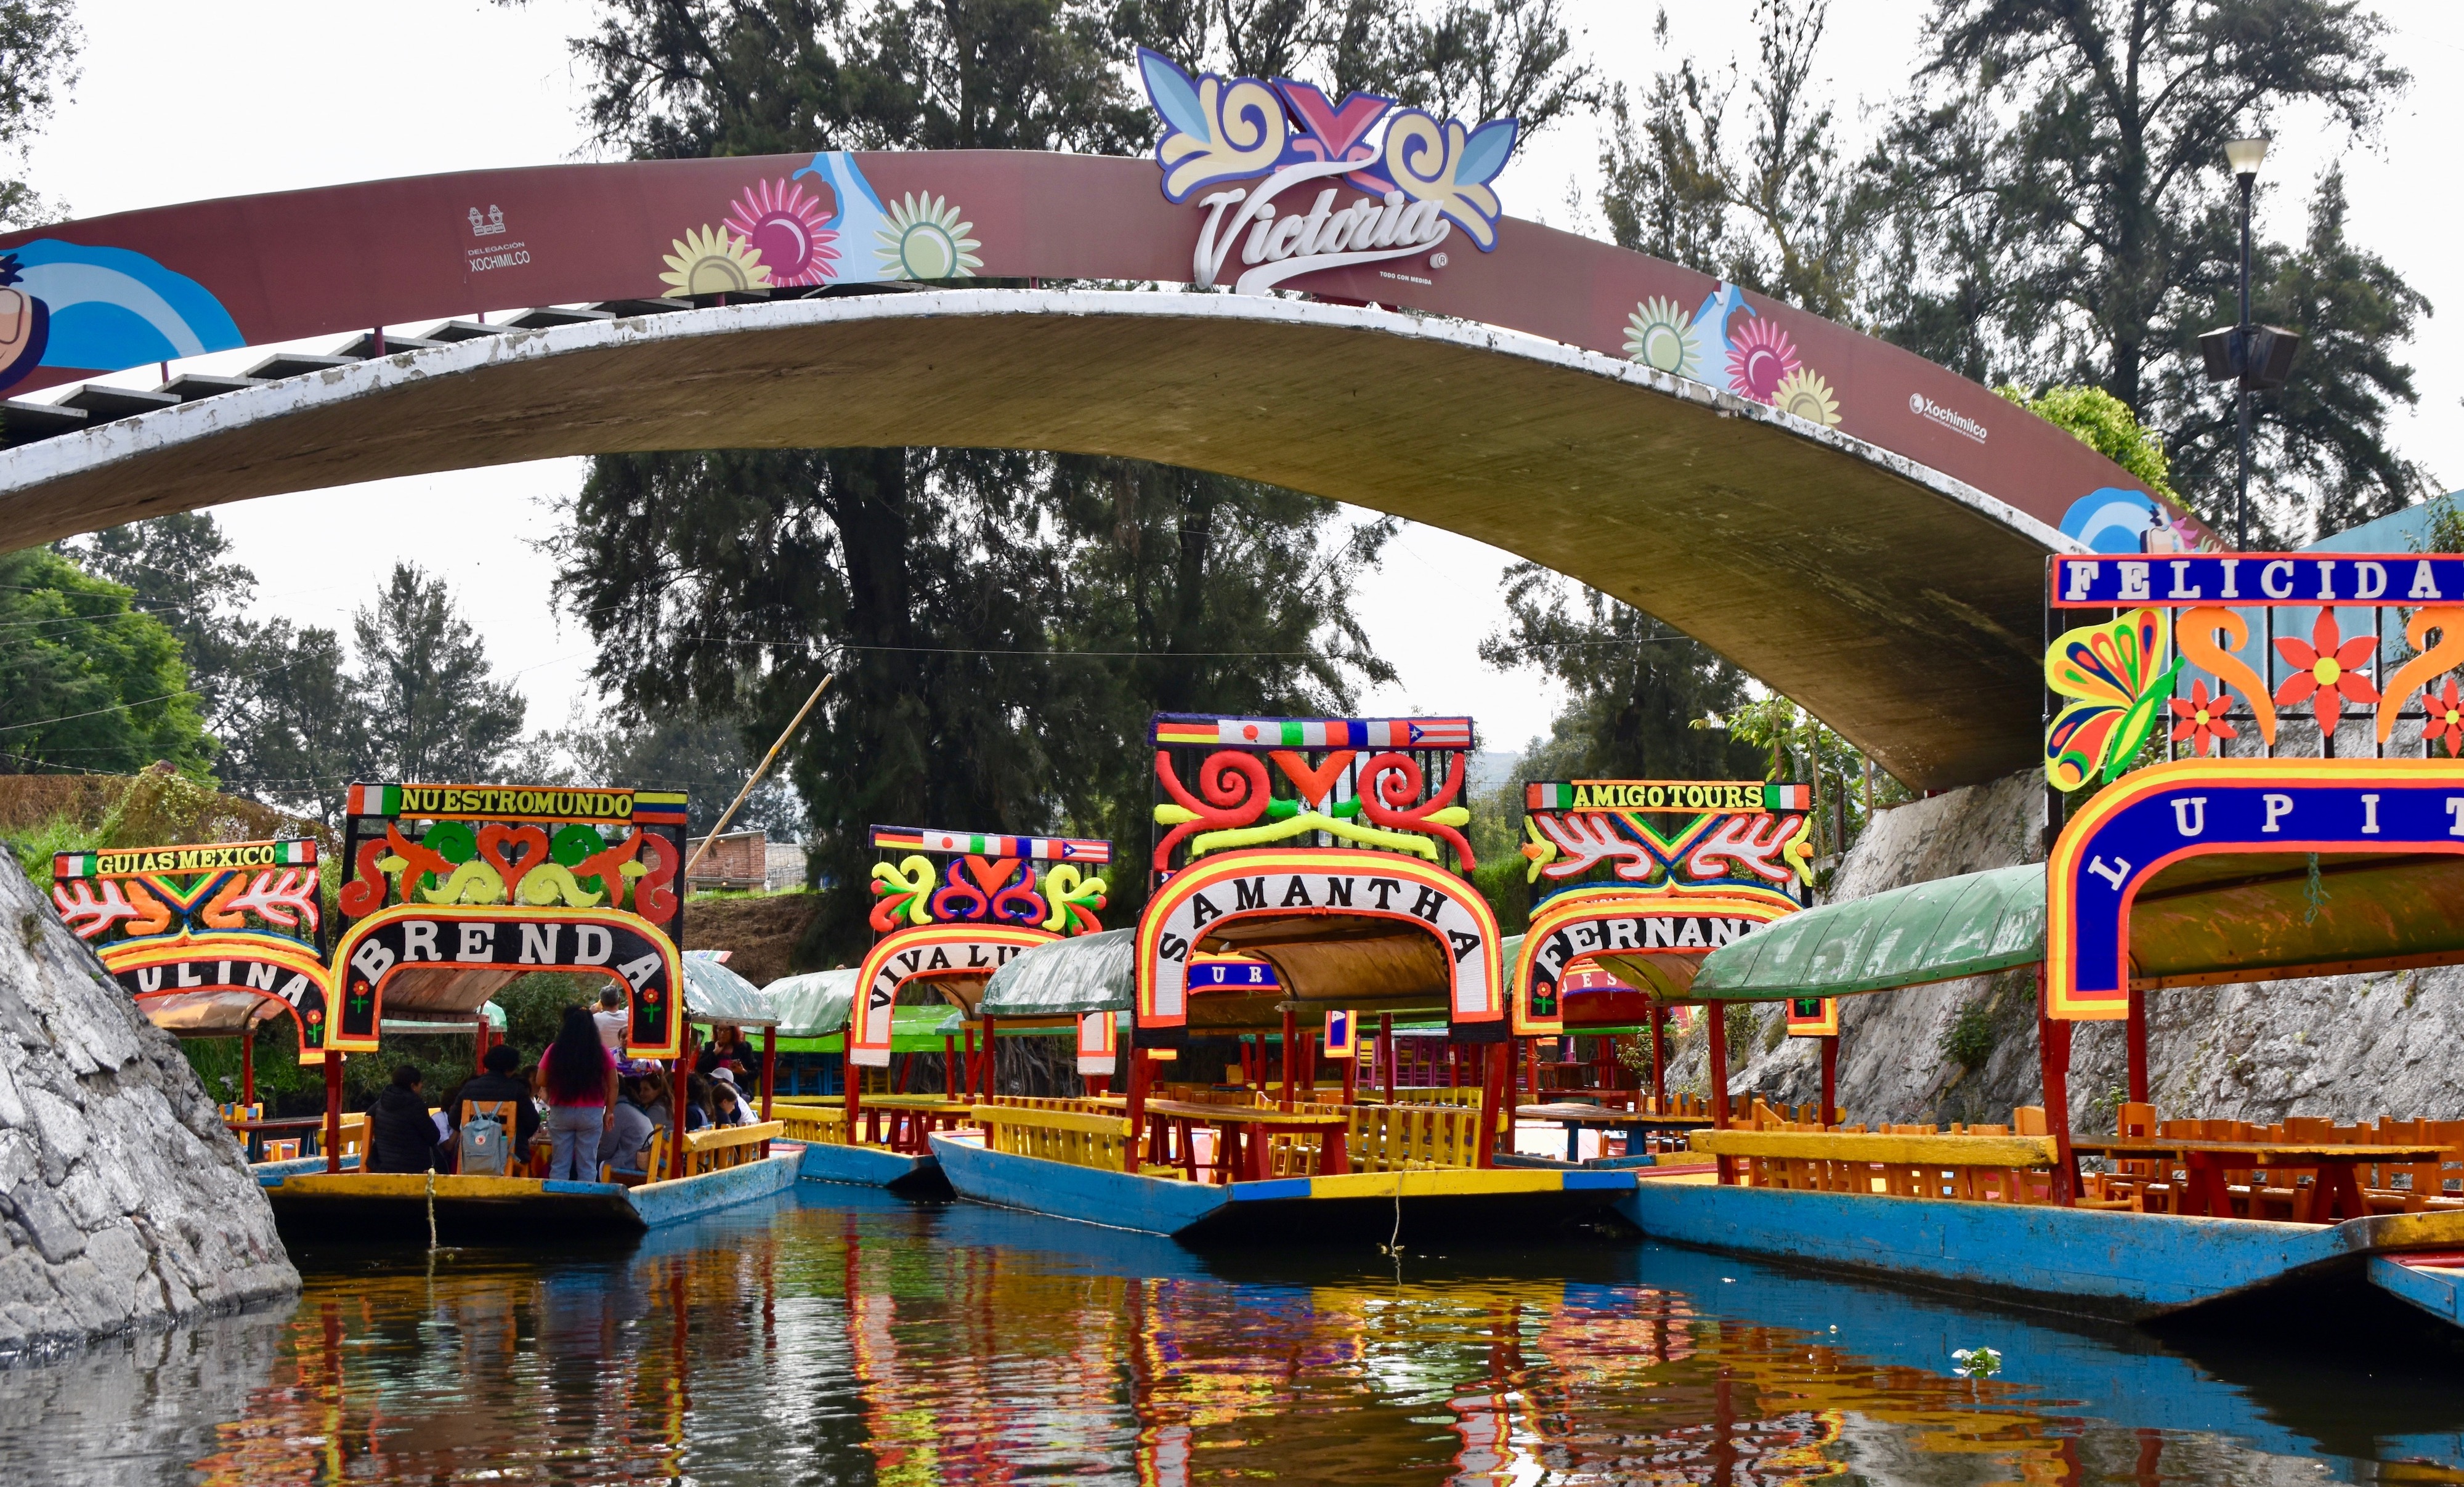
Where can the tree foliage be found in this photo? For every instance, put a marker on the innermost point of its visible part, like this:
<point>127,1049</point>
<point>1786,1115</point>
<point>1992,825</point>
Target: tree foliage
<point>89,681</point>
<point>39,42</point>
<point>432,709</point>
<point>2104,424</point>
<point>2056,206</point>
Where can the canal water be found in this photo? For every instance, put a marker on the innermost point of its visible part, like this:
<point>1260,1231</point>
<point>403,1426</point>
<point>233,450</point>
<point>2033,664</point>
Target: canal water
<point>837,1335</point>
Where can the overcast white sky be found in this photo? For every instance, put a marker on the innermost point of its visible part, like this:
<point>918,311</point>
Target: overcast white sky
<point>181,101</point>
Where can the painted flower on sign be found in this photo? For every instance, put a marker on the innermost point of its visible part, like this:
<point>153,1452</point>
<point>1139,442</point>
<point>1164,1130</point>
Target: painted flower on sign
<point>924,240</point>
<point>1660,334</point>
<point>783,226</point>
<point>1804,393</point>
<point>712,261</point>
<point>1760,357</point>
<point>2445,723</point>
<point>2202,717</point>
<point>2331,671</point>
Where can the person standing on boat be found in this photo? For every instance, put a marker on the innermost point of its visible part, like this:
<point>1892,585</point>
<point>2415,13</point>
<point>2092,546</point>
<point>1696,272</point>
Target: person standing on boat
<point>611,1018</point>
<point>401,1138</point>
<point>579,1074</point>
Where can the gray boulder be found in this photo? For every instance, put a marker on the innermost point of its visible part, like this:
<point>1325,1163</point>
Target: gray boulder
<point>124,1205</point>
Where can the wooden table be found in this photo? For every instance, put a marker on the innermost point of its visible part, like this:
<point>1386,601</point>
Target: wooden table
<point>1241,1133</point>
<point>1634,1124</point>
<point>2337,1192</point>
<point>248,1131</point>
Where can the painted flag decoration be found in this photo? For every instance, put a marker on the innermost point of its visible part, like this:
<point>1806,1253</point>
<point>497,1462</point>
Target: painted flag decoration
<point>1430,733</point>
<point>1044,849</point>
<point>1340,1042</point>
<point>659,808</point>
<point>376,800</point>
<point>1787,798</point>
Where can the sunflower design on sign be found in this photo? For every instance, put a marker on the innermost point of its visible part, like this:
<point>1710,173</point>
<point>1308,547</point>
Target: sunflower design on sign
<point>1660,334</point>
<point>782,227</point>
<point>924,240</point>
<point>1760,357</point>
<point>1804,393</point>
<point>712,261</point>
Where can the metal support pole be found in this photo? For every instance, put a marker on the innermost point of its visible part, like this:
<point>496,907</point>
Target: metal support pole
<point>2241,389</point>
<point>1291,1038</point>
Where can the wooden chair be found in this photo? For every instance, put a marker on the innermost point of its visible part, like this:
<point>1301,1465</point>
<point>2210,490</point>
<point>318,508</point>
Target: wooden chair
<point>505,1112</point>
<point>354,1133</point>
<point>286,1150</point>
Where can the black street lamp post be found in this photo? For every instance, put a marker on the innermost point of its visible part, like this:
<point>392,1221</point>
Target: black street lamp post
<point>2253,357</point>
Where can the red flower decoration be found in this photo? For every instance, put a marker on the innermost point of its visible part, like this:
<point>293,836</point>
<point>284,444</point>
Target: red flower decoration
<point>2446,720</point>
<point>2203,717</point>
<point>2332,671</point>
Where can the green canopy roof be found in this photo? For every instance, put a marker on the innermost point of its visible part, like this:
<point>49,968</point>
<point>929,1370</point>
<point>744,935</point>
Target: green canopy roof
<point>2227,917</point>
<point>1090,973</point>
<point>1928,932</point>
<point>812,1005</point>
<point>716,995</point>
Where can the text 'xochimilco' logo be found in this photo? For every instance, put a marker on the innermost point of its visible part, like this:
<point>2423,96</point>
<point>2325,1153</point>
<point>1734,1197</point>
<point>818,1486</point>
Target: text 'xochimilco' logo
<point>1424,178</point>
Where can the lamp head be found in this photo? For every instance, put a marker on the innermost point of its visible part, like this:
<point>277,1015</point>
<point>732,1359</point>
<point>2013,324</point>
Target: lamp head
<point>2244,155</point>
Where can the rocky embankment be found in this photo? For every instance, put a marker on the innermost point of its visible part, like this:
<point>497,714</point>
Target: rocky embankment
<point>2350,1048</point>
<point>124,1206</point>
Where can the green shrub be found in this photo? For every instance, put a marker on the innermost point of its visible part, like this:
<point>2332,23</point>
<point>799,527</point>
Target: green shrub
<point>1969,1040</point>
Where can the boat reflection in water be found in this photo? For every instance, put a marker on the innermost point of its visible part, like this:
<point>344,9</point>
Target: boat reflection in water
<point>843,1335</point>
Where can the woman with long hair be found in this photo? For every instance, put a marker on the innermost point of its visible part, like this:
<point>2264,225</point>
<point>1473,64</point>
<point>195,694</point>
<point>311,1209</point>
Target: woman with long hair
<point>579,1074</point>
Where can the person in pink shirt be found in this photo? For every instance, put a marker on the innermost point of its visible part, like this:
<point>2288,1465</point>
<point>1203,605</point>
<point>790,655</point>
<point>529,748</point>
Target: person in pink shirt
<point>579,1074</point>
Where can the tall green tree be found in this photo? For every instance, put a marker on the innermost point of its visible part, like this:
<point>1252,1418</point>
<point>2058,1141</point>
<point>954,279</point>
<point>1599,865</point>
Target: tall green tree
<point>300,729</point>
<point>1635,688</point>
<point>2059,209</point>
<point>179,569</point>
<point>88,681</point>
<point>999,624</point>
<point>432,708</point>
<point>1767,207</point>
<point>39,42</point>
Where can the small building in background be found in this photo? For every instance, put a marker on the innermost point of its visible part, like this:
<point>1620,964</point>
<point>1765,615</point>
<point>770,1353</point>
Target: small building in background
<point>783,866</point>
<point>736,862</point>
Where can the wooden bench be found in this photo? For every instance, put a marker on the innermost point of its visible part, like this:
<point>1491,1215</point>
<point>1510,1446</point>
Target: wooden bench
<point>1079,1137</point>
<point>721,1147</point>
<point>1996,1169</point>
<point>815,1125</point>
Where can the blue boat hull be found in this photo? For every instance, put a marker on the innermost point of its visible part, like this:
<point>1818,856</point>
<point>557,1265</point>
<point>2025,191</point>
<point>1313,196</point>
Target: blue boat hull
<point>870,1167</point>
<point>1303,1209</point>
<point>2131,1267</point>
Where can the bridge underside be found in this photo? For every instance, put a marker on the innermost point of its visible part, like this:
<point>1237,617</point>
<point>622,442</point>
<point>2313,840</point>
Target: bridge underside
<point>1902,607</point>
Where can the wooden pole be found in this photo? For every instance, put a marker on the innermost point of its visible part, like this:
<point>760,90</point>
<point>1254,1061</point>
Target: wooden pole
<point>248,1066</point>
<point>1386,1051</point>
<point>1660,1057</point>
<point>1352,1071</point>
<point>769,1067</point>
<point>333,1115</point>
<point>675,1120</point>
<point>1831,1080</point>
<point>2054,1044</point>
<point>733,806</point>
<point>949,1069</point>
<point>1291,1036</point>
<point>2134,1037</point>
<point>988,1084</point>
<point>851,1078</point>
<point>1497,1068</point>
<point>1137,1111</point>
<point>1716,1076</point>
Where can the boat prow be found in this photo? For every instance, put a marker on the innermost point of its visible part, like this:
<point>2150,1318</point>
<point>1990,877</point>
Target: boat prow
<point>1465,1202</point>
<point>319,1205</point>
<point>874,1167</point>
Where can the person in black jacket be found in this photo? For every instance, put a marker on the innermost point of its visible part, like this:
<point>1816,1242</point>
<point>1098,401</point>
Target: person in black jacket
<point>401,1138</point>
<point>500,1081</point>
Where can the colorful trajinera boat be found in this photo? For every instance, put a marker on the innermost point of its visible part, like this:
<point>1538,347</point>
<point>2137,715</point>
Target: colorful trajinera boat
<point>954,908</point>
<point>1637,881</point>
<point>2203,869</point>
<point>452,892</point>
<point>210,940</point>
<point>1318,851</point>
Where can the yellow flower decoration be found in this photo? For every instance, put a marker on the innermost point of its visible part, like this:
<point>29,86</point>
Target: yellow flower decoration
<point>1660,334</point>
<point>1807,396</point>
<point>924,240</point>
<point>712,261</point>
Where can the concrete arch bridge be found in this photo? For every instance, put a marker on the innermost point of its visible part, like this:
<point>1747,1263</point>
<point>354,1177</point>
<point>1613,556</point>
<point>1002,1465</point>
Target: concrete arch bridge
<point>1859,529</point>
